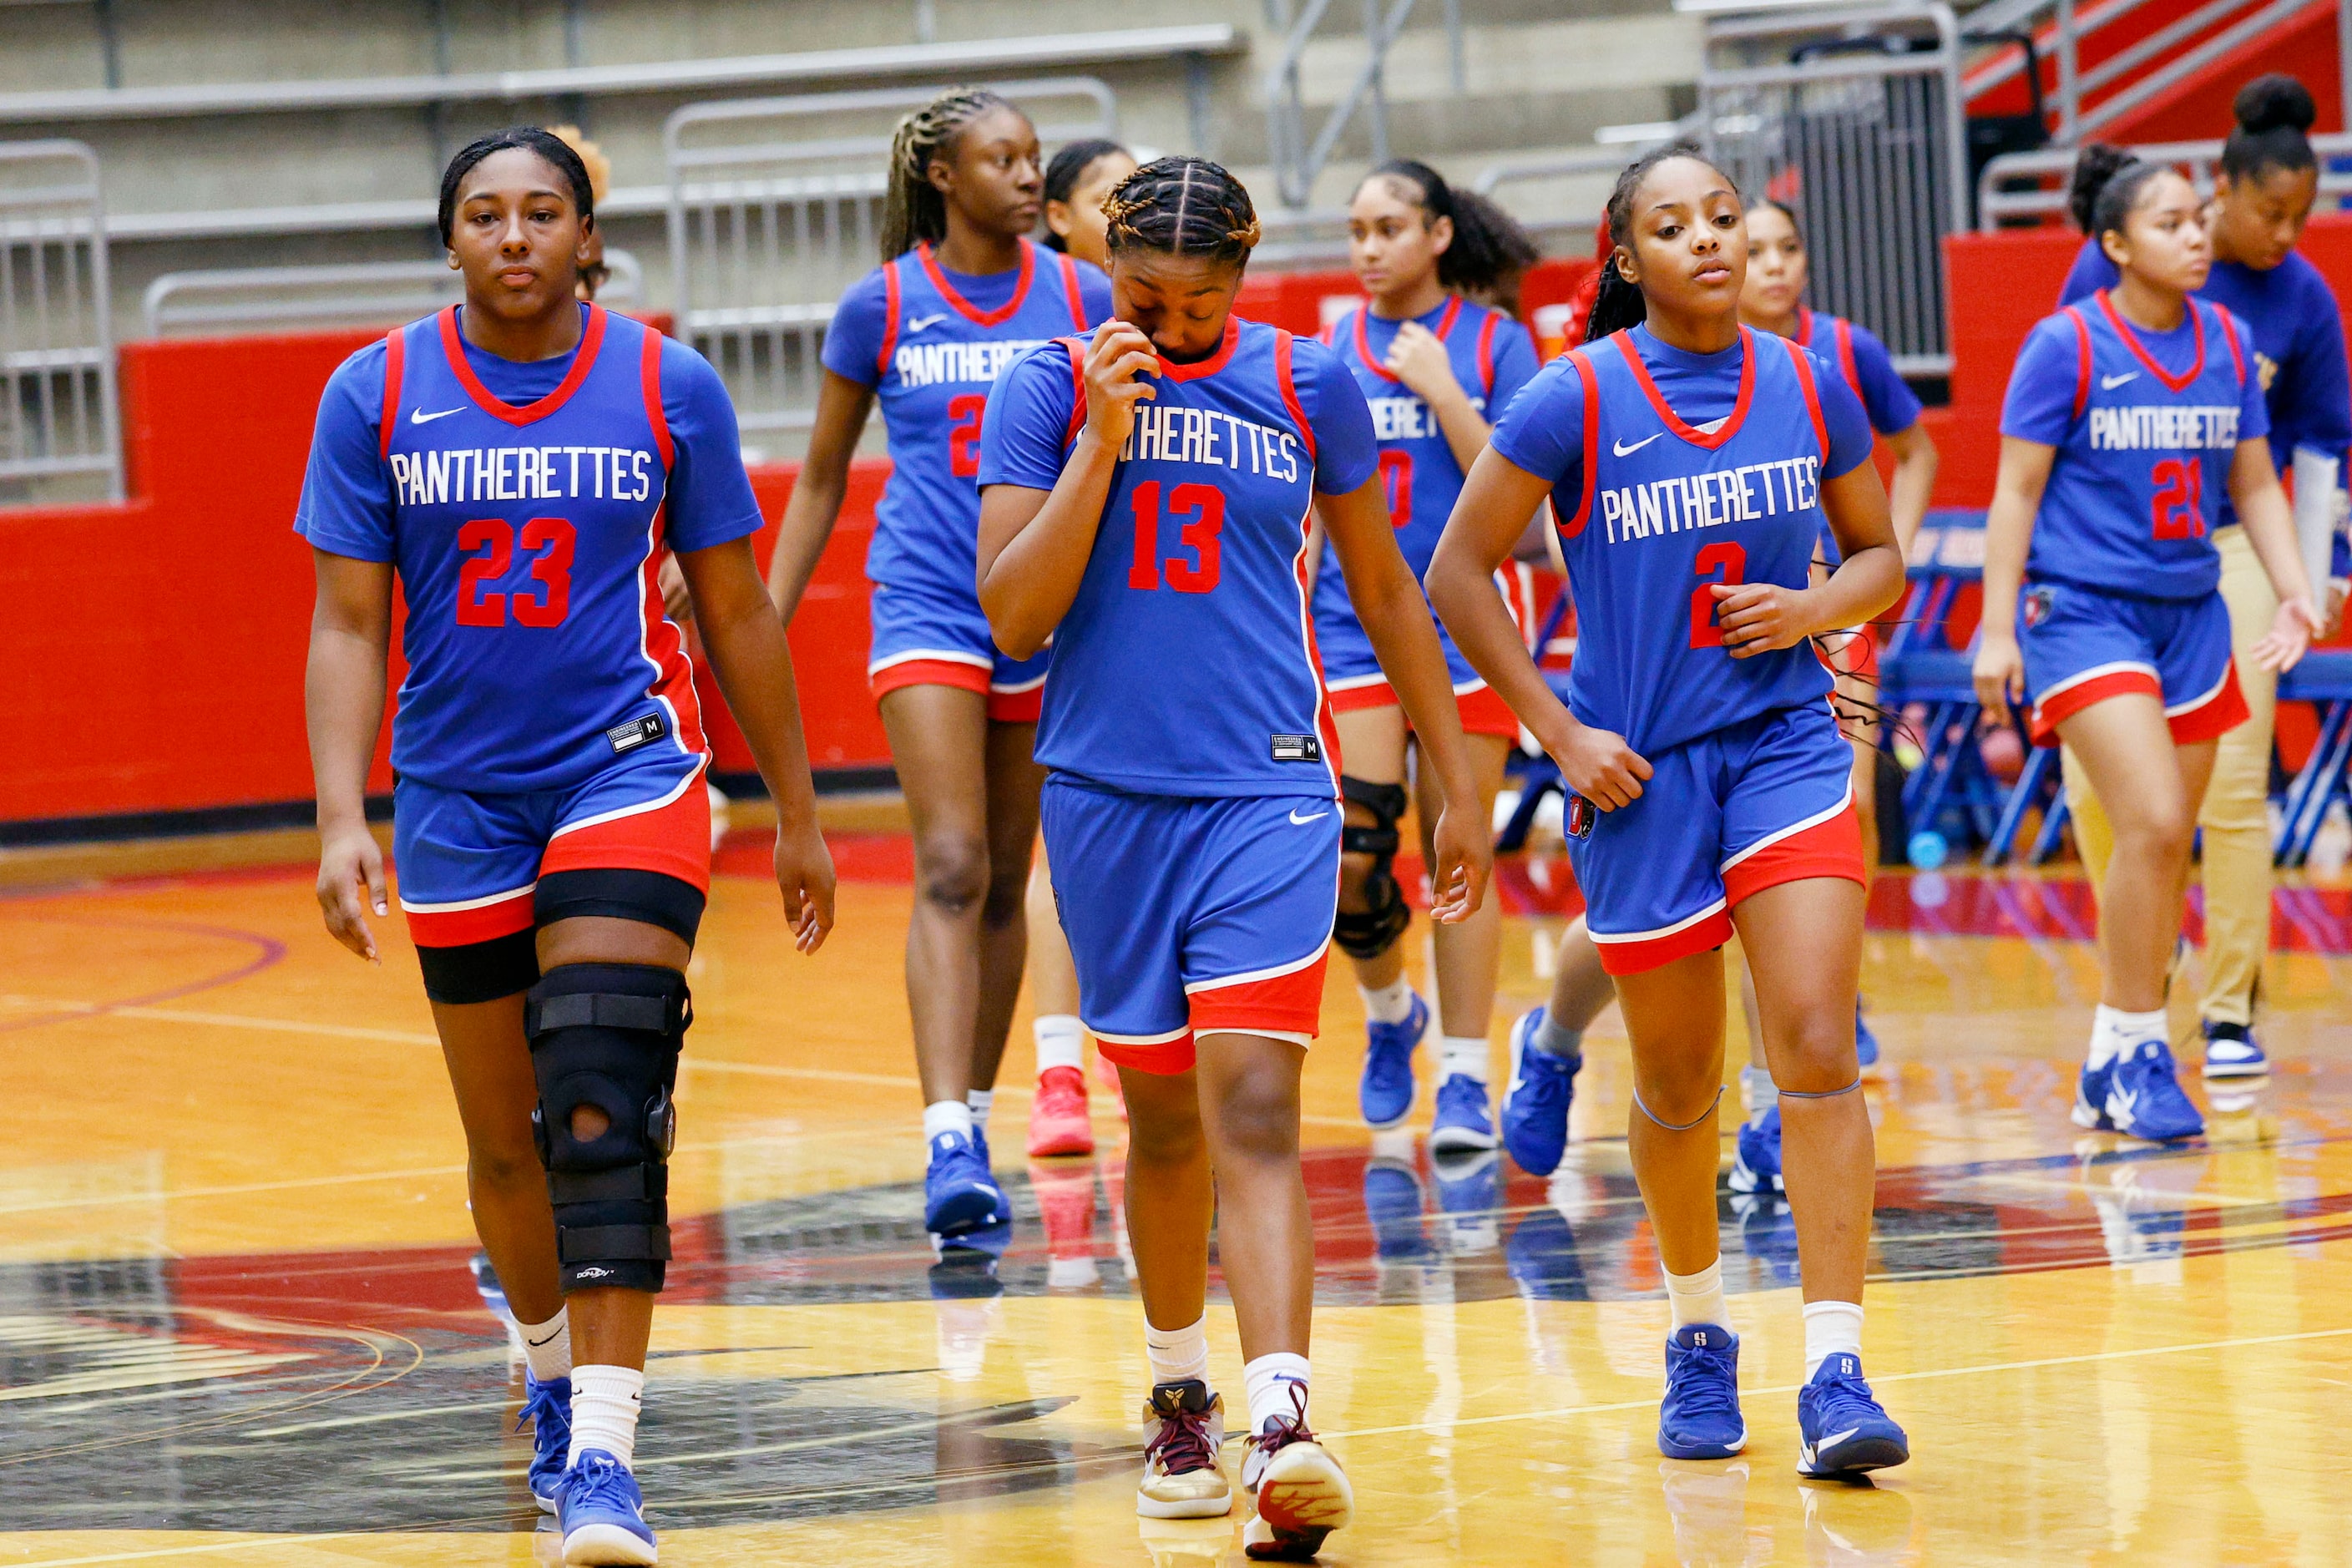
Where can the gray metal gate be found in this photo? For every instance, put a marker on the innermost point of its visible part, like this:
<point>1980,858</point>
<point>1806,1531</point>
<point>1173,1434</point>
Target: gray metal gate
<point>1853,116</point>
<point>57,350</point>
<point>775,206</point>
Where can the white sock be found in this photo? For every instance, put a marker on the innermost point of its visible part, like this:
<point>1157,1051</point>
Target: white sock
<point>1269,1379</point>
<point>605,1405</point>
<point>1178,1353</point>
<point>946,1115</point>
<point>2113,1030</point>
<point>1392,1004</point>
<point>1698,1298</point>
<point>1566,1044</point>
<point>1464,1053</point>
<point>1832,1328</point>
<point>1758,1091</point>
<point>1061,1042</point>
<point>979,1100</point>
<point>547,1346</point>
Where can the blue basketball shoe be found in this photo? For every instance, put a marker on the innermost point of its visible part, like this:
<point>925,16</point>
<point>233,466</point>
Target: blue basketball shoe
<point>2145,1098</point>
<point>1845,1430</point>
<point>601,1514</point>
<point>1535,1106</point>
<point>1462,1123</point>
<point>1699,1418</point>
<point>1392,1202</point>
<point>1755,1163</point>
<point>1385,1094</point>
<point>960,1194</point>
<point>547,1411</point>
<point>2231,1051</point>
<point>1865,1044</point>
<point>2091,1086</point>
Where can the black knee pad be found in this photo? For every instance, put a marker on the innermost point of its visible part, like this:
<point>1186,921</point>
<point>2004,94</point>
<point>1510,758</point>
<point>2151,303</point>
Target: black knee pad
<point>608,1036</point>
<point>1371,930</point>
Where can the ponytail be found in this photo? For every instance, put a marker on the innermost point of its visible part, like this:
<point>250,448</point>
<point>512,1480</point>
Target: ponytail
<point>913,211</point>
<point>1616,305</point>
<point>1489,247</point>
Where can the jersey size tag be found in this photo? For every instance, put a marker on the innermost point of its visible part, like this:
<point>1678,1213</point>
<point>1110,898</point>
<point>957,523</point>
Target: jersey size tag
<point>1297,749</point>
<point>628,737</point>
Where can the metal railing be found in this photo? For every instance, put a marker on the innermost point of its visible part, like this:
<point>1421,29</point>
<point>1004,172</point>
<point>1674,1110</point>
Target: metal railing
<point>767,229</point>
<point>2000,204</point>
<point>1853,115</point>
<point>291,298</point>
<point>57,348</point>
<point>1297,159</point>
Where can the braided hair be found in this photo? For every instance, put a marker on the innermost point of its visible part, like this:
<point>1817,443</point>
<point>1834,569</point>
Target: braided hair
<point>1184,207</point>
<point>1619,304</point>
<point>2274,114</point>
<point>558,155</point>
<point>1069,167</point>
<point>2107,185</point>
<point>913,211</point>
<point>1489,247</point>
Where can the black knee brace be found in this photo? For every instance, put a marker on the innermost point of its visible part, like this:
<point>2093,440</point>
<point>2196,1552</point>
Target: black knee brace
<point>1371,930</point>
<point>607,1036</point>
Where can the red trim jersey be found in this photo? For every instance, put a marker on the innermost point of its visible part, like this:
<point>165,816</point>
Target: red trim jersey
<point>1187,664</point>
<point>527,536</point>
<point>2147,426</point>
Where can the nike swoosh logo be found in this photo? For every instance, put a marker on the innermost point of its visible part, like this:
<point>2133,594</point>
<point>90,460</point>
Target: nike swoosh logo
<point>916,323</point>
<point>418,415</point>
<point>1303,821</point>
<point>1834,1439</point>
<point>2109,382</point>
<point>1623,450</point>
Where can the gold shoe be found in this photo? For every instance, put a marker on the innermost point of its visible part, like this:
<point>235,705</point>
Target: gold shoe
<point>1183,1424</point>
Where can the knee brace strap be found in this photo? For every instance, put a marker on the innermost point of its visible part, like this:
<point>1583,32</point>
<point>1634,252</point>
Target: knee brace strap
<point>1370,932</point>
<point>607,1036</point>
<point>1685,1126</point>
<point>1821,1093</point>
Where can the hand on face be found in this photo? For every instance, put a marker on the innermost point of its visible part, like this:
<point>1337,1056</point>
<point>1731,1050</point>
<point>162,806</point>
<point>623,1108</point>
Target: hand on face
<point>1119,370</point>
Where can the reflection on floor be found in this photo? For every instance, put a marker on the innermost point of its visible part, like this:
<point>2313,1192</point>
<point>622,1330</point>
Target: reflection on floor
<point>241,1317</point>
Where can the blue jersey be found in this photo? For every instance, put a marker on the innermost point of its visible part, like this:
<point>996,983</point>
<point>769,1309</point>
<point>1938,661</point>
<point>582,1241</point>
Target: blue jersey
<point>913,331</point>
<point>527,537</point>
<point>1186,665</point>
<point>1654,508</point>
<point>2296,336</point>
<point>1856,357</point>
<point>1493,357</point>
<point>2143,448</point>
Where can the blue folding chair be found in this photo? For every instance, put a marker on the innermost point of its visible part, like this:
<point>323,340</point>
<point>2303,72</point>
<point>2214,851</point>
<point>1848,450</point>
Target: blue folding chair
<point>2324,680</point>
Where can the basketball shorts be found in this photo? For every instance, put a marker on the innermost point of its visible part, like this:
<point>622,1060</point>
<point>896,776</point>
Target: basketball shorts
<point>1191,915</point>
<point>1352,673</point>
<point>926,638</point>
<point>2083,646</point>
<point>479,874</point>
<point>1766,801</point>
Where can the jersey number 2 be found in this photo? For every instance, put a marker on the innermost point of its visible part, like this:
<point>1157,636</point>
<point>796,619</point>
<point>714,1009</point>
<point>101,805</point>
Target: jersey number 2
<point>1732,561</point>
<point>2177,510</point>
<point>1207,505</point>
<point>964,411</point>
<point>496,540</point>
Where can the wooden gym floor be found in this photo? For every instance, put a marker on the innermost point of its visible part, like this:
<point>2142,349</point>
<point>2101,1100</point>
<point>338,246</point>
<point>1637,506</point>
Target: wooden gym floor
<point>237,1322</point>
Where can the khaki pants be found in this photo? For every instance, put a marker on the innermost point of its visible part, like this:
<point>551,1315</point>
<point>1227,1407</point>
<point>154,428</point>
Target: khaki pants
<point>2236,826</point>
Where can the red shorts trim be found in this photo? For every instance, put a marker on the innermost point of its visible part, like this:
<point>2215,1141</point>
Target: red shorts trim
<point>2046,717</point>
<point>928,672</point>
<point>1288,1003</point>
<point>1829,848</point>
<point>502,916</point>
<point>1165,1057</point>
<point>1017,707</point>
<point>1482,709</point>
<point>2215,716</point>
<point>1637,957</point>
<point>673,840</point>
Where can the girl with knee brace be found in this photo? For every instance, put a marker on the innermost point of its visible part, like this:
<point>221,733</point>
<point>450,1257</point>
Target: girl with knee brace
<point>1692,464</point>
<point>1436,368</point>
<point>961,292</point>
<point>1146,494</point>
<point>519,462</point>
<point>2129,419</point>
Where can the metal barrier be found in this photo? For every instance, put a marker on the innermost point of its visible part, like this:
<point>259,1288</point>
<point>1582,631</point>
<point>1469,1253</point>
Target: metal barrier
<point>56,350</point>
<point>2052,171</point>
<point>291,298</point>
<point>1852,114</point>
<point>765,233</point>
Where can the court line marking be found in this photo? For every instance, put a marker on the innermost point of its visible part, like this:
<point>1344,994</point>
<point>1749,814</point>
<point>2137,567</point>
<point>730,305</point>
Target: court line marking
<point>1876,1379</point>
